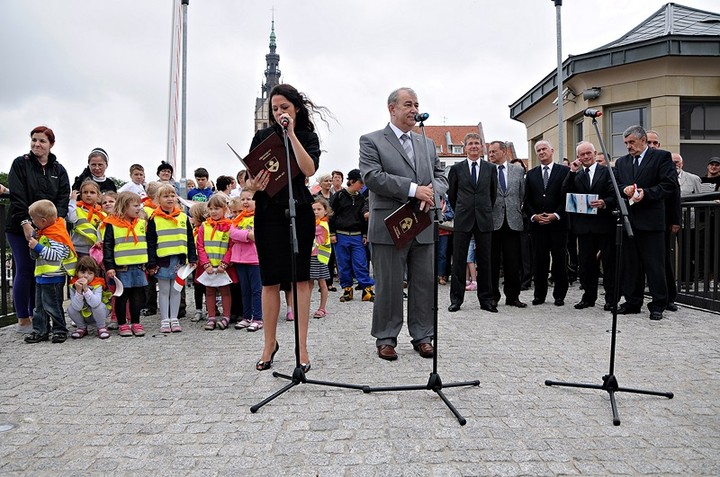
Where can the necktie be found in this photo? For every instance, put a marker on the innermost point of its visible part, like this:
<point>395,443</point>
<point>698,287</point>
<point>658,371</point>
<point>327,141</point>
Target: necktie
<point>587,171</point>
<point>474,172</point>
<point>407,145</point>
<point>546,176</point>
<point>636,164</point>
<point>501,179</point>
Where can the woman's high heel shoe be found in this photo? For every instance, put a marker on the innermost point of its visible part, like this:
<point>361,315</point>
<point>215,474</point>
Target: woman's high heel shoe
<point>305,367</point>
<point>264,365</point>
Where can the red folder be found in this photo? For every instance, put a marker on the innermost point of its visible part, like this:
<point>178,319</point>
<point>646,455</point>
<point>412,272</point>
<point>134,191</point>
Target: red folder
<point>269,155</point>
<point>406,222</point>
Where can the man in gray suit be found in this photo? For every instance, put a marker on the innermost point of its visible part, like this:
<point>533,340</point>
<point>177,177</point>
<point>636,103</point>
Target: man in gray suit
<point>398,164</point>
<point>507,224</point>
<point>472,187</point>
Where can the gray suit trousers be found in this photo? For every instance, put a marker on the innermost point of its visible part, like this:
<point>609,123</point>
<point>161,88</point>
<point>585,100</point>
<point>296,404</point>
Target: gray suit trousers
<point>388,308</point>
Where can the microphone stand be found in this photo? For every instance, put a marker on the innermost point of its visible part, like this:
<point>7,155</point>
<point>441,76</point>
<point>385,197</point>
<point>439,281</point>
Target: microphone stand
<point>610,383</point>
<point>298,375</point>
<point>434,383</point>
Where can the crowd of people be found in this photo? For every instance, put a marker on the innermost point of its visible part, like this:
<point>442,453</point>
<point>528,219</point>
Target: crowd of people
<point>128,252</point>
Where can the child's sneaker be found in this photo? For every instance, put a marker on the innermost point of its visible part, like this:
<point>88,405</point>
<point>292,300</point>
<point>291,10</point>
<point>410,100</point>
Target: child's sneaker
<point>113,325</point>
<point>290,316</point>
<point>368,294</point>
<point>244,323</point>
<point>137,329</point>
<point>124,330</point>
<point>255,325</point>
<point>175,325</point>
<point>199,316</point>
<point>472,286</point>
<point>165,326</point>
<point>347,294</point>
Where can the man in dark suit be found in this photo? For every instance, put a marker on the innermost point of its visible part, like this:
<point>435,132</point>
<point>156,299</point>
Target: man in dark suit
<point>472,188</point>
<point>647,178</point>
<point>507,226</point>
<point>595,232</point>
<point>544,204</point>
<point>398,164</point>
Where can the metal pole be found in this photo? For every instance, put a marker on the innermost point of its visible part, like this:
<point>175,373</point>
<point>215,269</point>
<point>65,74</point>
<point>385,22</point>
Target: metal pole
<point>183,161</point>
<point>560,105</point>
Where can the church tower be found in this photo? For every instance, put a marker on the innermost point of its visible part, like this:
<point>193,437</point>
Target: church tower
<point>272,78</point>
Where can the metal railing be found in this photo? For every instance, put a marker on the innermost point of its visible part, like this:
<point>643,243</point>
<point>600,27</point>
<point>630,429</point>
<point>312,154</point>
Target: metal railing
<point>7,312</point>
<point>697,256</point>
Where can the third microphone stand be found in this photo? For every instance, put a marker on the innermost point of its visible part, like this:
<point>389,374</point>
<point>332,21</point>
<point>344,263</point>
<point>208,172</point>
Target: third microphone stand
<point>298,375</point>
<point>610,383</point>
<point>434,383</point>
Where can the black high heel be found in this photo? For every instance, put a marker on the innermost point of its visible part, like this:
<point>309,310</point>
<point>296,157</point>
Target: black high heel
<point>264,365</point>
<point>305,367</point>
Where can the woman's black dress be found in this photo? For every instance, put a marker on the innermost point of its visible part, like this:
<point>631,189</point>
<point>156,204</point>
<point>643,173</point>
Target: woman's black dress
<point>272,225</point>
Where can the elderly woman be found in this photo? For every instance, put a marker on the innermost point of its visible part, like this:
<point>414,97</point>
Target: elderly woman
<point>97,165</point>
<point>33,176</point>
<point>326,184</point>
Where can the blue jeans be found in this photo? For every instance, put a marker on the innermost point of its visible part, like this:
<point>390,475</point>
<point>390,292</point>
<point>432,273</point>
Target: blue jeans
<point>352,260</point>
<point>251,290</point>
<point>24,283</point>
<point>48,308</point>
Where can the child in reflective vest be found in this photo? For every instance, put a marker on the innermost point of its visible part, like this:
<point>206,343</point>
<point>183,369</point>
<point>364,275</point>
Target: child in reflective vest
<point>86,215</point>
<point>88,299</point>
<point>198,212</point>
<point>321,252</point>
<point>170,245</point>
<point>245,259</point>
<point>124,257</point>
<point>55,259</point>
<point>214,258</point>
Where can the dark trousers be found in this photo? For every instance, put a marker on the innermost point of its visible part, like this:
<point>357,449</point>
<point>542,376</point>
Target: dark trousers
<point>592,250</point>
<point>151,295</point>
<point>506,249</point>
<point>461,243</point>
<point>49,309</point>
<point>645,251</point>
<point>136,297</point>
<point>670,245</point>
<point>546,244</point>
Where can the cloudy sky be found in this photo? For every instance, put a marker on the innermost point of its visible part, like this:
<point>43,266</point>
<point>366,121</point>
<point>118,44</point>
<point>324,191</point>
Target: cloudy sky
<point>97,71</point>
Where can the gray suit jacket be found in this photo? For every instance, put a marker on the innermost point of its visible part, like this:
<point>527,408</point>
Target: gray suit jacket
<point>509,205</point>
<point>388,172</point>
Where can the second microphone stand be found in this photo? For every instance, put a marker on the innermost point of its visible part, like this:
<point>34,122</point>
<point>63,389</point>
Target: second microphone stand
<point>298,375</point>
<point>434,383</point>
<point>610,382</point>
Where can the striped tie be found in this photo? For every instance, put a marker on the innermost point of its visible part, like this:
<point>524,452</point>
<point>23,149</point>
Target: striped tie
<point>407,145</point>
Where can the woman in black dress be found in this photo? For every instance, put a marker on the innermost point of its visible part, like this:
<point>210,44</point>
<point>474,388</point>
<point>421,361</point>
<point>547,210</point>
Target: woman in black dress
<point>272,227</point>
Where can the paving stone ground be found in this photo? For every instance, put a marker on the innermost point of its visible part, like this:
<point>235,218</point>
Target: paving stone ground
<point>180,404</point>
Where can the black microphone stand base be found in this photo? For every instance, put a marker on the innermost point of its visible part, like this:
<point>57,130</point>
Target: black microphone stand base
<point>434,384</point>
<point>299,377</point>
<point>610,384</point>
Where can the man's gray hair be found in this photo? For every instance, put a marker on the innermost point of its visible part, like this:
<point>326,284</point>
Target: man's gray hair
<point>637,131</point>
<point>582,143</point>
<point>393,98</point>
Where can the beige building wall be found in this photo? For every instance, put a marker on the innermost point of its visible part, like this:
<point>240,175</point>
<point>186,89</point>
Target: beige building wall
<point>659,83</point>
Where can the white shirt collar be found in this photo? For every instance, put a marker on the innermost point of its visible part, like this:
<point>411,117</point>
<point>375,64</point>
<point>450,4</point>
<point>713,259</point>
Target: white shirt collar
<point>398,132</point>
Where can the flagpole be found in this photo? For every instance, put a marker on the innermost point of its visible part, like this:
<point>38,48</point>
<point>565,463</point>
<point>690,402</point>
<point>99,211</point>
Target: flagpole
<point>183,162</point>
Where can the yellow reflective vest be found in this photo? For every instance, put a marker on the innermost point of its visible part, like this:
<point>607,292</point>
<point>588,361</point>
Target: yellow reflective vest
<point>171,236</point>
<point>126,251</point>
<point>324,250</point>
<point>55,267</point>
<point>217,246</point>
<point>87,229</point>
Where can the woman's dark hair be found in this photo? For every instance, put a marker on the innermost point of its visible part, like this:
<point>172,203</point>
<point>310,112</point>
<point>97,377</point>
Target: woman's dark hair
<point>46,131</point>
<point>223,182</point>
<point>303,104</point>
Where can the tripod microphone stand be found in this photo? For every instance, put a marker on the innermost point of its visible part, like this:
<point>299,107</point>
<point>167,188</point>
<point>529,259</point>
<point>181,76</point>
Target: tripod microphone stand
<point>298,375</point>
<point>610,382</point>
<point>434,383</point>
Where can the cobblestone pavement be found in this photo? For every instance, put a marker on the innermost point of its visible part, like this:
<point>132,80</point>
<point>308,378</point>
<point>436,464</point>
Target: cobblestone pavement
<point>180,404</point>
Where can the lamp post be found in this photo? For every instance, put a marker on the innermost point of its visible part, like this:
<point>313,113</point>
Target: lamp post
<point>560,105</point>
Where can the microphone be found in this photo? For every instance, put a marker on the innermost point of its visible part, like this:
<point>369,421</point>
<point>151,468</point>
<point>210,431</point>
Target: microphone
<point>284,122</point>
<point>420,117</point>
<point>592,113</point>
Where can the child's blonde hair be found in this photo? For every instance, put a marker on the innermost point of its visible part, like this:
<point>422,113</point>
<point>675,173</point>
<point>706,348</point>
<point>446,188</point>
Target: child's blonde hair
<point>124,199</point>
<point>43,209</point>
<point>198,212</point>
<point>152,189</point>
<point>110,193</point>
<point>165,189</point>
<point>218,200</point>
<point>90,183</point>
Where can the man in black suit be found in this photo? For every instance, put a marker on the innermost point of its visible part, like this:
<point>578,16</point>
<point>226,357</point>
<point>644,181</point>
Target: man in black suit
<point>545,206</point>
<point>472,188</point>
<point>595,232</point>
<point>647,178</point>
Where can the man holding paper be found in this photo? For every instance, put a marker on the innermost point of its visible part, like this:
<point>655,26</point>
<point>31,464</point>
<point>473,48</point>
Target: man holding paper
<point>594,230</point>
<point>397,165</point>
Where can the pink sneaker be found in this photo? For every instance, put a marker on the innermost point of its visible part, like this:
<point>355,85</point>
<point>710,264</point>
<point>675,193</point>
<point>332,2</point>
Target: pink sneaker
<point>471,287</point>
<point>137,329</point>
<point>175,326</point>
<point>165,327</point>
<point>255,325</point>
<point>124,330</point>
<point>290,316</point>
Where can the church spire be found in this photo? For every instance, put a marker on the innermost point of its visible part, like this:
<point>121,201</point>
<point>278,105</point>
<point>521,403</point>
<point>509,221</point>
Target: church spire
<point>272,73</point>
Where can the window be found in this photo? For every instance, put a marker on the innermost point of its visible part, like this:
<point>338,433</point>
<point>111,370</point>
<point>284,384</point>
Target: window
<point>621,119</point>
<point>699,133</point>
<point>577,132</point>
<point>438,148</point>
<point>457,149</point>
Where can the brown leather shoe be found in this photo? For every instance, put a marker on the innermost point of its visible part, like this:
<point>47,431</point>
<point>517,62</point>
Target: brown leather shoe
<point>387,352</point>
<point>426,350</point>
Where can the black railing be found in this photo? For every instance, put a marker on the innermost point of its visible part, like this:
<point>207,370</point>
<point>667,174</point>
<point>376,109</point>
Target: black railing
<point>697,255</point>
<point>7,312</point>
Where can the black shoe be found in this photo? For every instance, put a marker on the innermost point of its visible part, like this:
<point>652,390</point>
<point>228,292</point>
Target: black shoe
<point>59,337</point>
<point>671,307</point>
<point>453,307</point>
<point>516,303</point>
<point>559,302</point>
<point>359,287</point>
<point>332,289</point>
<point>583,304</point>
<point>489,307</point>
<point>35,337</point>
<point>626,309</point>
<point>607,307</point>
<point>538,301</point>
<point>656,315</point>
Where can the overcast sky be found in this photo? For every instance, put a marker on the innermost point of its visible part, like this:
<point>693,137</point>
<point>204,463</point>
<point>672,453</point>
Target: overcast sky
<point>97,72</point>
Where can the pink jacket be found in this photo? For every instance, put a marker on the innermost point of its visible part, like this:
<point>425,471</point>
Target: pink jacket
<point>243,249</point>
